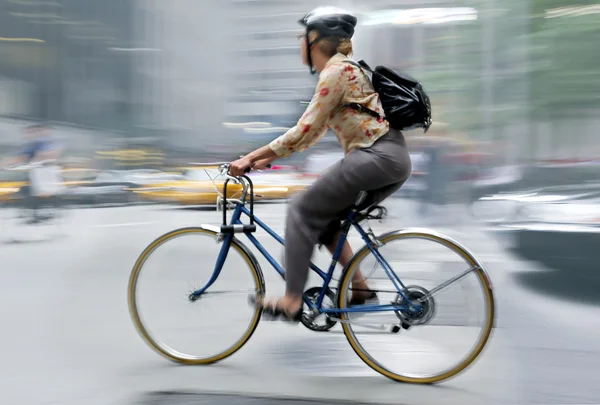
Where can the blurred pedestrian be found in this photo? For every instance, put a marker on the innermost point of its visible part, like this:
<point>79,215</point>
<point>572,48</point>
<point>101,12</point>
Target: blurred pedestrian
<point>39,153</point>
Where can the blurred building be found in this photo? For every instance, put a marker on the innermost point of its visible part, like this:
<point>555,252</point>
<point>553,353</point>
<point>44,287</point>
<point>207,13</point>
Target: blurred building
<point>193,74</point>
<point>272,85</point>
<point>58,63</point>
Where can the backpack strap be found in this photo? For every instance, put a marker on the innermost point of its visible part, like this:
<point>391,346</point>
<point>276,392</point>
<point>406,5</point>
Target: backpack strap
<point>364,109</point>
<point>363,66</point>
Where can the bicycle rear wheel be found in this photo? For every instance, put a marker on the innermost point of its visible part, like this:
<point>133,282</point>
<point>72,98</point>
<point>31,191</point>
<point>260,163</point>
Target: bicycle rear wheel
<point>210,328</point>
<point>460,316</point>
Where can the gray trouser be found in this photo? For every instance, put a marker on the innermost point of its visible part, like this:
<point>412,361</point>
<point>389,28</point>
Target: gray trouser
<point>380,169</point>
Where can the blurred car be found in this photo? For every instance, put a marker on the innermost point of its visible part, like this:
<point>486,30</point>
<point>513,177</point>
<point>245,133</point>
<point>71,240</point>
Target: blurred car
<point>494,178</point>
<point>113,186</point>
<point>202,186</point>
<point>128,158</point>
<point>558,226</point>
<point>11,182</point>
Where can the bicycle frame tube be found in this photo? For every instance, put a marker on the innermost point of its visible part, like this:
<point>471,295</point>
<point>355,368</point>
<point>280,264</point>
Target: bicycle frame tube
<point>386,267</point>
<point>327,277</point>
<point>334,260</point>
<point>220,259</point>
<point>278,238</point>
<point>235,219</point>
<point>362,308</point>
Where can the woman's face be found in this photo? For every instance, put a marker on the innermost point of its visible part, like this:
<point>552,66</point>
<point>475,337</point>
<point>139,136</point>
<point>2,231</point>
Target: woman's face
<point>303,45</point>
<point>303,48</point>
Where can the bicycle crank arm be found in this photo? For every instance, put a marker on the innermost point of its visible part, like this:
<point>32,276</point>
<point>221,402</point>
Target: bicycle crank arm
<point>380,327</point>
<point>229,292</point>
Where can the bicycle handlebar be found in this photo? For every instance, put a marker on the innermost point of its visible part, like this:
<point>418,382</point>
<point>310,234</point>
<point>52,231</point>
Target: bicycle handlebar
<point>224,170</point>
<point>247,182</point>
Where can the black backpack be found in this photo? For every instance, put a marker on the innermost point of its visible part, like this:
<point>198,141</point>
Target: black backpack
<point>404,102</point>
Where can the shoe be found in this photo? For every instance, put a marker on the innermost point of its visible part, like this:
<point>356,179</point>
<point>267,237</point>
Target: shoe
<point>371,299</point>
<point>275,312</point>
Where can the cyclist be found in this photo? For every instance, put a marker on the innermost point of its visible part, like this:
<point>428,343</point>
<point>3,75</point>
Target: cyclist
<point>376,157</point>
<point>39,147</point>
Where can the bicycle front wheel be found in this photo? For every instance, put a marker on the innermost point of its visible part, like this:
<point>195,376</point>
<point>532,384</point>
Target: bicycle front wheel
<point>195,331</point>
<point>451,327</point>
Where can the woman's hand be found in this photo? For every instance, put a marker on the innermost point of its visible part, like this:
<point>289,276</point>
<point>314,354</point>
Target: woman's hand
<point>262,164</point>
<point>238,167</point>
<point>262,157</point>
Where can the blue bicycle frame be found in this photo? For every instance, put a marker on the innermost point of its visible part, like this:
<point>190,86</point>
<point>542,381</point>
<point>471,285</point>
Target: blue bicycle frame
<point>236,226</point>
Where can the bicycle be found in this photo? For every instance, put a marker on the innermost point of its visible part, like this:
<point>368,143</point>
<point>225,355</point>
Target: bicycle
<point>412,307</point>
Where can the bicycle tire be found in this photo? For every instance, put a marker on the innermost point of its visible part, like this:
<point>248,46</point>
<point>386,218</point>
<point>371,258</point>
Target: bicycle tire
<point>133,309</point>
<point>346,280</point>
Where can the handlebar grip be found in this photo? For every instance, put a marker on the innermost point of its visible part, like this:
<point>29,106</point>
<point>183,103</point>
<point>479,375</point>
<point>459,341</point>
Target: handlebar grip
<point>249,169</point>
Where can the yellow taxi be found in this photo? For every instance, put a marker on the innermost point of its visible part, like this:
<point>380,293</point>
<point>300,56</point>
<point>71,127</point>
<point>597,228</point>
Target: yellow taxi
<point>10,184</point>
<point>203,185</point>
<point>132,158</point>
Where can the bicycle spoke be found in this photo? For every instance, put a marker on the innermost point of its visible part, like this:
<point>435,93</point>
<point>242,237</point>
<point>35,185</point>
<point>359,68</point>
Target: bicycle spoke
<point>448,283</point>
<point>441,330</point>
<point>168,323</point>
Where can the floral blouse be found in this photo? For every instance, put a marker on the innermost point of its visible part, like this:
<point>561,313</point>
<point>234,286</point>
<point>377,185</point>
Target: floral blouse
<point>339,84</point>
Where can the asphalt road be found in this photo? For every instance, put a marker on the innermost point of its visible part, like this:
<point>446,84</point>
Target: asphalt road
<point>67,337</point>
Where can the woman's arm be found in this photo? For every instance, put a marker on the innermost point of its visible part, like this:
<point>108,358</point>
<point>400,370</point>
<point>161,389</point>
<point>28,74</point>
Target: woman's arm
<point>310,128</point>
<point>262,163</point>
<point>262,156</point>
<point>263,153</point>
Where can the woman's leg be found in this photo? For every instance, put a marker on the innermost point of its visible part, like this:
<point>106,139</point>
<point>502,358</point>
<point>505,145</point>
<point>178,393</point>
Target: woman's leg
<point>385,166</point>
<point>360,287</point>
<point>358,280</point>
<point>330,238</point>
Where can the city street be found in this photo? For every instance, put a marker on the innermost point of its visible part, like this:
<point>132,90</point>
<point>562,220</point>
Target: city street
<point>67,336</point>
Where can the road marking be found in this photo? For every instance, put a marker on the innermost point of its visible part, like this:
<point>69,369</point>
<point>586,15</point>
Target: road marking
<point>124,224</point>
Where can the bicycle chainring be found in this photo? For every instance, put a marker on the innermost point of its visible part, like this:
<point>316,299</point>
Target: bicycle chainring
<point>318,322</point>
